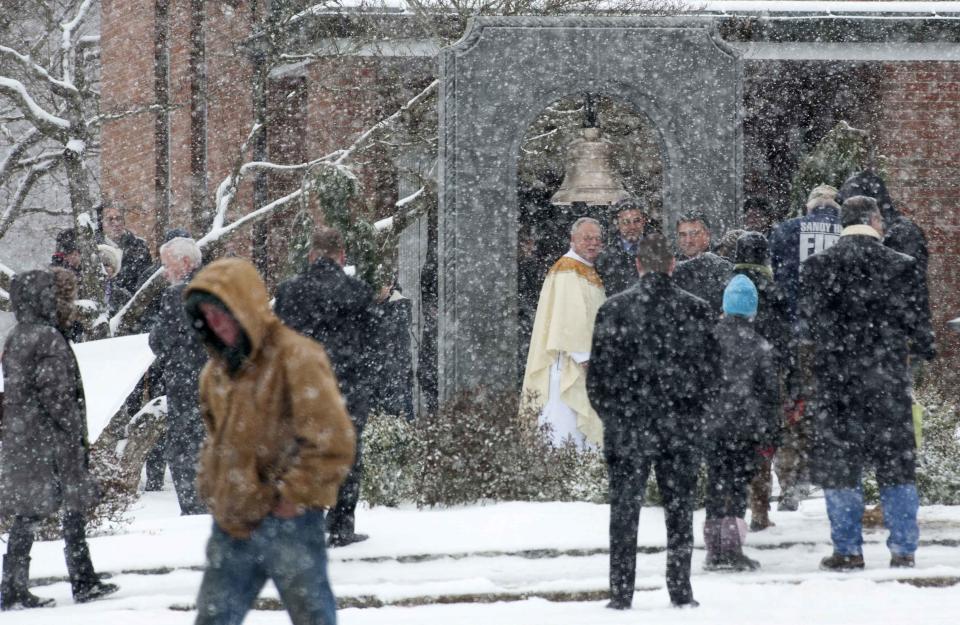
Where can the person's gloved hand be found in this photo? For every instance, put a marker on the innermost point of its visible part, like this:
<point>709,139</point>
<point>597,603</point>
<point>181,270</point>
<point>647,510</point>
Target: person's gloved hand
<point>767,452</point>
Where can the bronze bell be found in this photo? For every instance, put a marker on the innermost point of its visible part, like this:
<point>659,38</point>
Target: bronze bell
<point>588,178</point>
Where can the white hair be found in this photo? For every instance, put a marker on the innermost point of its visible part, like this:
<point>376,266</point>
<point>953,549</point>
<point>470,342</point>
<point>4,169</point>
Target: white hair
<point>182,247</point>
<point>583,220</point>
<point>112,255</point>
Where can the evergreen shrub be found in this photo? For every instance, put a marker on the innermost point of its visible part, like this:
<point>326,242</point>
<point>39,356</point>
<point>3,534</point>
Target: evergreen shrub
<point>477,448</point>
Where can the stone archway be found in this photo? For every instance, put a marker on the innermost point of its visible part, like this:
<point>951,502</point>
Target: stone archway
<point>494,82</point>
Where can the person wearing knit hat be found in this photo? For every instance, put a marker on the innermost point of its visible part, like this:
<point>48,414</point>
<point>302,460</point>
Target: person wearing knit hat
<point>752,260</point>
<point>744,422</point>
<point>740,298</point>
<point>67,253</point>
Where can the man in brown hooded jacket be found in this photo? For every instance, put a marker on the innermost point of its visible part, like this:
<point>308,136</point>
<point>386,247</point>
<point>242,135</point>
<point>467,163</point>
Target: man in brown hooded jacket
<point>278,445</point>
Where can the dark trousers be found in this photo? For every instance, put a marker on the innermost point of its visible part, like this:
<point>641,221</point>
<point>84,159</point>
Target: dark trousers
<point>22,530</point>
<point>181,450</point>
<point>730,469</point>
<point>676,474</point>
<point>77,552</point>
<point>341,519</point>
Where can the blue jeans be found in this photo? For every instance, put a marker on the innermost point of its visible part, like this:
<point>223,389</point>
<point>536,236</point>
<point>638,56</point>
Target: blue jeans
<point>900,505</point>
<point>291,552</point>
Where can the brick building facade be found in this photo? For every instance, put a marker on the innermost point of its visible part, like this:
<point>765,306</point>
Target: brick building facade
<point>909,100</point>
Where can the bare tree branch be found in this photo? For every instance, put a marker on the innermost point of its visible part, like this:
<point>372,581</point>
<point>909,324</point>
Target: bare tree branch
<point>31,138</point>
<point>48,123</point>
<point>59,87</point>
<point>14,209</point>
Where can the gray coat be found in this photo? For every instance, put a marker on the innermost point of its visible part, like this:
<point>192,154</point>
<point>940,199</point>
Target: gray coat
<point>44,461</point>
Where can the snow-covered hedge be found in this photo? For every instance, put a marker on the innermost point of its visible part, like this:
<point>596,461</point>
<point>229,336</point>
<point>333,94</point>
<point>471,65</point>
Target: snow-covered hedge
<point>938,469</point>
<point>478,448</point>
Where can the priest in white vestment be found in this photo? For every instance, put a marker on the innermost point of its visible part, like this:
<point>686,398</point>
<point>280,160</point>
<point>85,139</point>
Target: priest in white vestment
<point>554,383</point>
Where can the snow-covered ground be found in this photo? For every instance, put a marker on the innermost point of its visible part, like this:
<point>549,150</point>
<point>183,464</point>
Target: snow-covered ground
<point>502,563</point>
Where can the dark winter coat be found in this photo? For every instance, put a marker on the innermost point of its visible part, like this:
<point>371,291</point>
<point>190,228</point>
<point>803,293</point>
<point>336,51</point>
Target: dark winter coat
<point>706,276</point>
<point>115,295</point>
<point>859,314</point>
<point>617,268</point>
<point>395,369</point>
<point>337,310</point>
<point>900,233</point>
<point>773,321</point>
<point>653,366</point>
<point>44,461</point>
<point>795,240</point>
<point>746,407</point>
<point>180,356</point>
<point>136,259</point>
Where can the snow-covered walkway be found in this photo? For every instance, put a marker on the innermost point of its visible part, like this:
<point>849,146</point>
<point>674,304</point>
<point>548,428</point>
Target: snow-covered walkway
<point>520,564</point>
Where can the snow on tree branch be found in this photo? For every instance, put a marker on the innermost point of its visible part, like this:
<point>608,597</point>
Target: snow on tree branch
<point>66,43</point>
<point>430,89</point>
<point>59,87</point>
<point>46,122</point>
<point>227,189</point>
<point>28,140</point>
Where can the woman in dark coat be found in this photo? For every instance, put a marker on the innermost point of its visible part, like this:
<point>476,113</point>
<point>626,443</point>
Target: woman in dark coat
<point>44,467</point>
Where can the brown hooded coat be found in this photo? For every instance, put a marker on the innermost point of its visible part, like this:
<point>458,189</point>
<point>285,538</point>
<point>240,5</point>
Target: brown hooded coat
<point>277,426</point>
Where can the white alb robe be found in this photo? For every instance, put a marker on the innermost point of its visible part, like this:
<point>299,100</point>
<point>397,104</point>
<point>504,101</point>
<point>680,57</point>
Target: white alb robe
<point>554,382</point>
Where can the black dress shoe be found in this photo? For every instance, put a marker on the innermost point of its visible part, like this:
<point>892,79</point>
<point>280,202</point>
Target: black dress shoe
<point>342,540</point>
<point>839,562</point>
<point>618,604</point>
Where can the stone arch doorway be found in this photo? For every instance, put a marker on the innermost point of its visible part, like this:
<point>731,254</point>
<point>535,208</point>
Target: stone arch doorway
<point>494,83</point>
<point>543,227</point>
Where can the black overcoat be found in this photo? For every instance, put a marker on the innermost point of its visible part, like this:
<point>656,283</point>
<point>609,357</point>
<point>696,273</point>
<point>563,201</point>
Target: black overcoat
<point>653,368</point>
<point>706,276</point>
<point>617,269</point>
<point>337,310</point>
<point>180,356</point>
<point>859,314</point>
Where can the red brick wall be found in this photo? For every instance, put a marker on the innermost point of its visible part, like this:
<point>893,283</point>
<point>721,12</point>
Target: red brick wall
<point>920,135</point>
<point>920,129</point>
<point>128,83</point>
<point>127,159</point>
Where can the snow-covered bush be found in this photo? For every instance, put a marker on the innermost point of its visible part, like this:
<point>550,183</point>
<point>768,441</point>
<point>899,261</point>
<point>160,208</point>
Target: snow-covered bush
<point>938,462</point>
<point>938,469</point>
<point>392,461</point>
<point>478,448</point>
